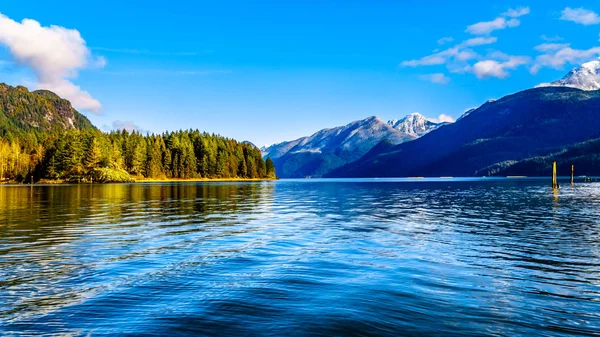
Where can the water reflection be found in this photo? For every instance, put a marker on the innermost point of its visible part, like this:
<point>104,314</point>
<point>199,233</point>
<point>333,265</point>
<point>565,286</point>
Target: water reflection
<point>314,257</point>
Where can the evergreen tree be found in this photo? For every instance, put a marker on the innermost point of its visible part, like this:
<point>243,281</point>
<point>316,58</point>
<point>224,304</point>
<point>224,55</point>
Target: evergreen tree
<point>154,161</point>
<point>93,156</point>
<point>73,153</point>
<point>270,168</point>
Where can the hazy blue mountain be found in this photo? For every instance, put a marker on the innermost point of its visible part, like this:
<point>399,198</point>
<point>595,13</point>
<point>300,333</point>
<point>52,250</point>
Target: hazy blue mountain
<point>328,149</point>
<point>492,138</point>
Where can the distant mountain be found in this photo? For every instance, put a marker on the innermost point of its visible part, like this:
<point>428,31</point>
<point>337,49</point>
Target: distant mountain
<point>249,143</point>
<point>331,148</point>
<point>489,140</point>
<point>415,124</point>
<point>584,77</point>
<point>42,110</point>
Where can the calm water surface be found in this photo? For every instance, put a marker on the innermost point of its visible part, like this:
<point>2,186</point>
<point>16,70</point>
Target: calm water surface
<point>301,258</point>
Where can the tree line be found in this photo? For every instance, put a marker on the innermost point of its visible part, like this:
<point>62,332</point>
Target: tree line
<point>119,156</point>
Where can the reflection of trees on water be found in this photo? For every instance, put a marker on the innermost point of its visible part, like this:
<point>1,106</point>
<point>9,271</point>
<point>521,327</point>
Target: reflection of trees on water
<point>45,211</point>
<point>53,235</point>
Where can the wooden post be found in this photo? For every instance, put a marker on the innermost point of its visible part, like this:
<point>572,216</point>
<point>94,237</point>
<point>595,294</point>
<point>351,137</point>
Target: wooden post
<point>572,175</point>
<point>554,180</point>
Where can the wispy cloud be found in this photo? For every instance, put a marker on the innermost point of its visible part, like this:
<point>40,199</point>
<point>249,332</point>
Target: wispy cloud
<point>125,125</point>
<point>580,15</point>
<point>478,41</point>
<point>459,52</point>
<point>149,52</point>
<point>554,38</point>
<point>486,27</point>
<point>437,78</point>
<point>54,54</point>
<point>507,19</point>
<point>517,12</point>
<point>557,55</point>
<point>548,47</point>
<point>445,40</point>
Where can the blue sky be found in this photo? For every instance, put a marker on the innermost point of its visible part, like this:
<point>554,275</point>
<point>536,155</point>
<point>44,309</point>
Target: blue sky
<point>269,71</point>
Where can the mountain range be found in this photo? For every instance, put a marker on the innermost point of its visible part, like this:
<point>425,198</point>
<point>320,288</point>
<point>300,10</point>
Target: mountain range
<point>328,149</point>
<point>520,134</point>
<point>494,137</point>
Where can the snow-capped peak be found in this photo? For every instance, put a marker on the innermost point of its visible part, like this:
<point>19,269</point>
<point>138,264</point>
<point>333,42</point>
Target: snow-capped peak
<point>414,124</point>
<point>584,77</point>
<point>592,65</point>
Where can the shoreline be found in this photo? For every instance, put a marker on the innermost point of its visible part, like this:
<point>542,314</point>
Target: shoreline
<point>194,180</point>
<point>140,181</point>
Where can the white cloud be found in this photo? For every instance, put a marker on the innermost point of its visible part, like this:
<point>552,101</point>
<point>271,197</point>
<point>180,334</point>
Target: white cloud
<point>507,19</point>
<point>55,54</point>
<point>489,68</point>
<point>554,38</point>
<point>445,40</point>
<point>458,59</point>
<point>443,118</point>
<point>580,15</point>
<point>466,55</point>
<point>100,62</point>
<point>486,27</point>
<point>437,78</point>
<point>556,58</point>
<point>478,41</point>
<point>516,12</point>
<point>433,59</point>
<point>546,47</point>
<point>127,126</point>
<point>457,52</point>
<point>494,68</point>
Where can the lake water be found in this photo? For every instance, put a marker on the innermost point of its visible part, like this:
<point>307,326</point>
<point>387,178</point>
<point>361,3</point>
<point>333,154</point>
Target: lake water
<point>301,257</point>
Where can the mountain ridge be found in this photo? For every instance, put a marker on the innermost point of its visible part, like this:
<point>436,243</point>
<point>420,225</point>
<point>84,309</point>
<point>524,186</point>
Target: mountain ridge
<point>415,124</point>
<point>526,124</point>
<point>585,77</point>
<point>330,148</point>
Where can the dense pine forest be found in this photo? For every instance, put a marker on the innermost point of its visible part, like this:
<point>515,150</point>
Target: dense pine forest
<point>43,137</point>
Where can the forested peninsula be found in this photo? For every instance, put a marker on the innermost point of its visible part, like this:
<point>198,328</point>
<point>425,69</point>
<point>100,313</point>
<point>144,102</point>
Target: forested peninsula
<point>44,139</point>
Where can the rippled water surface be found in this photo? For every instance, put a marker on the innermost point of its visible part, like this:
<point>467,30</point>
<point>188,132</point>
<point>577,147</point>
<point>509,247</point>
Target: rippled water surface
<point>301,258</point>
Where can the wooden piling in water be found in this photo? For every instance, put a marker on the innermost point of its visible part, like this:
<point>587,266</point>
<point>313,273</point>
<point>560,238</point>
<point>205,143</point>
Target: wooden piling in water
<point>554,178</point>
<point>572,175</point>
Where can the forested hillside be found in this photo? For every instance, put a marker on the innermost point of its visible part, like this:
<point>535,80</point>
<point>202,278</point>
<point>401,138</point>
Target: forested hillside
<point>43,137</point>
<point>39,111</point>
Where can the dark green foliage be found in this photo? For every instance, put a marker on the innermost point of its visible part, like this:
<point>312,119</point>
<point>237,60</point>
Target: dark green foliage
<point>270,167</point>
<point>90,155</point>
<point>42,111</point>
<point>42,136</point>
<point>585,156</point>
